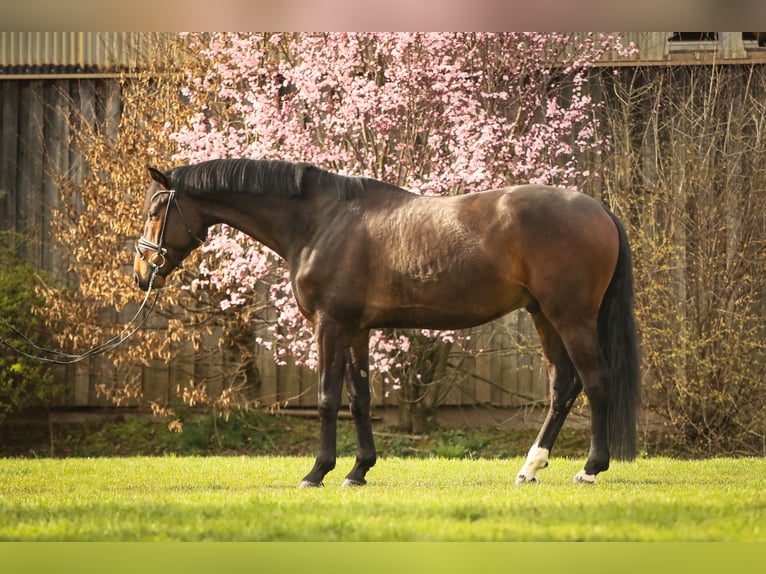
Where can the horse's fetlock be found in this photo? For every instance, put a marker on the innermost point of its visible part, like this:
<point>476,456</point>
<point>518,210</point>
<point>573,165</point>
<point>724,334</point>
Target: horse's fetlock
<point>325,463</point>
<point>367,460</point>
<point>596,465</point>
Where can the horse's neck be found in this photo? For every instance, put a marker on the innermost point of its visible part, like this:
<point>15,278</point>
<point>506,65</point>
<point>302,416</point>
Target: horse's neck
<point>276,222</point>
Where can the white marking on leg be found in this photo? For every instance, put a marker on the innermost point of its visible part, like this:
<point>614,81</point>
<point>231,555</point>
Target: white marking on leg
<point>537,458</point>
<point>583,477</point>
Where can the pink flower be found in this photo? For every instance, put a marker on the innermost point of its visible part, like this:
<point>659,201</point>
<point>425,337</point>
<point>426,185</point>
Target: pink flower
<point>438,114</point>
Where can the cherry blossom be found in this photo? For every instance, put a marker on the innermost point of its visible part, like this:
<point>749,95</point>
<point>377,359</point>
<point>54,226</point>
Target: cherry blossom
<point>434,113</point>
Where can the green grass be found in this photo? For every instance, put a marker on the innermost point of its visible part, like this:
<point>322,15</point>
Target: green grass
<point>255,498</point>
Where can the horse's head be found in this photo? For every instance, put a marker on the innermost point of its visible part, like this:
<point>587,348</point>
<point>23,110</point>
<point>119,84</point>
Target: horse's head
<point>172,230</point>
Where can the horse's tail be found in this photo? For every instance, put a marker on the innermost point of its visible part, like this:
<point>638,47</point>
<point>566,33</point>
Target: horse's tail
<point>619,345</point>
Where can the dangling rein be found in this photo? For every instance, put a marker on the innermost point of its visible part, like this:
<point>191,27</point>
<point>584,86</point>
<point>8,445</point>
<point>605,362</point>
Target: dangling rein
<point>60,358</point>
<point>156,262</point>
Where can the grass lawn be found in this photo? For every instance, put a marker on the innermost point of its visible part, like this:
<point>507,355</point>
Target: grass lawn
<point>428,499</point>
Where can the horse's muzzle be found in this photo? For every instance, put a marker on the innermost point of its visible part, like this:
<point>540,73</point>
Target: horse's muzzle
<point>142,281</point>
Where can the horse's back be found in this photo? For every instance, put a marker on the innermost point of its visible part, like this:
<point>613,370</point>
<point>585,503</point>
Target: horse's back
<point>402,260</point>
<point>463,260</point>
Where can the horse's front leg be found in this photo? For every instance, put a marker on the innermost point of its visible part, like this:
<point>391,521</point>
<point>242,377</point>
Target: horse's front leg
<point>358,377</point>
<point>332,346</point>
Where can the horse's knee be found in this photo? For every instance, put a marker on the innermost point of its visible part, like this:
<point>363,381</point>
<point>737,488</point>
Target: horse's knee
<point>328,407</point>
<point>360,406</point>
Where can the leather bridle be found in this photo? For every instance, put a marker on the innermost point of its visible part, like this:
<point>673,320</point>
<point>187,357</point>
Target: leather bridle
<point>161,256</point>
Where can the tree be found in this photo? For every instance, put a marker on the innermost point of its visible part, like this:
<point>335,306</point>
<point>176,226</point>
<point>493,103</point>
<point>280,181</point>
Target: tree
<point>119,127</point>
<point>434,113</point>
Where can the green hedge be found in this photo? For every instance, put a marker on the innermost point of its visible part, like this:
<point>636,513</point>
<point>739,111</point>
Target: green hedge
<point>23,381</point>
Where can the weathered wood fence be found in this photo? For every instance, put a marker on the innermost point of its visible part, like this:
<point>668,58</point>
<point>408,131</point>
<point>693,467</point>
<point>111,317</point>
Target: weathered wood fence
<point>35,143</point>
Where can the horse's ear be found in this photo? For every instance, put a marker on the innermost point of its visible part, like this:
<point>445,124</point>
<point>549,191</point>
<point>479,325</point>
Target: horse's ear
<point>159,177</point>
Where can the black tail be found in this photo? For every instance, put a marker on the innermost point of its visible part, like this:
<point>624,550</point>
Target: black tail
<point>619,344</point>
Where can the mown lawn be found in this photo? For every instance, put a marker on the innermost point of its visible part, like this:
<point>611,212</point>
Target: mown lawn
<point>436,499</point>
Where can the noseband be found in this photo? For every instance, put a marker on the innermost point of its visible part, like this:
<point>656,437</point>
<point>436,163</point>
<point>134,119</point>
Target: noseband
<point>161,255</point>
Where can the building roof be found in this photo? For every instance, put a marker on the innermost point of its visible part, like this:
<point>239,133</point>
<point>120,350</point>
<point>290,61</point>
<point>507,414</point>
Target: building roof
<point>51,54</point>
<point>79,53</point>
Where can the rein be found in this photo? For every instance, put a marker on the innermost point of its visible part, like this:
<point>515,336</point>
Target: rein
<point>60,358</point>
<point>156,262</point>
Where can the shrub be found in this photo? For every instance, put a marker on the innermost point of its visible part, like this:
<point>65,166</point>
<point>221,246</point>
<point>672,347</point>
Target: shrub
<point>22,380</point>
<point>687,174</point>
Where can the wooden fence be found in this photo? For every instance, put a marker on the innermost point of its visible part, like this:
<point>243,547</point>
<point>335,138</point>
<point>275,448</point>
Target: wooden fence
<point>35,143</point>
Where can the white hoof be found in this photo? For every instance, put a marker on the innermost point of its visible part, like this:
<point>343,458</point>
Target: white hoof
<point>307,484</point>
<point>583,477</point>
<point>350,483</point>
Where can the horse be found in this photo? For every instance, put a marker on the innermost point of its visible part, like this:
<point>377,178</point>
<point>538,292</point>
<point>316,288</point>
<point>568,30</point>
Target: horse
<point>363,254</point>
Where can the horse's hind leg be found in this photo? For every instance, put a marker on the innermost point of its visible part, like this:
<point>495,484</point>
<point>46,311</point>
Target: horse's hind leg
<point>582,345</point>
<point>358,382</point>
<point>564,388</point>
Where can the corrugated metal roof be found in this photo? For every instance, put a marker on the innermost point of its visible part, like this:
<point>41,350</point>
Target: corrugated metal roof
<point>78,52</point>
<point>89,53</point>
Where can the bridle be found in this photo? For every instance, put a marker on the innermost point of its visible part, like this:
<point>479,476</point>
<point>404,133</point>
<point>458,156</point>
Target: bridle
<point>161,256</point>
<point>156,262</point>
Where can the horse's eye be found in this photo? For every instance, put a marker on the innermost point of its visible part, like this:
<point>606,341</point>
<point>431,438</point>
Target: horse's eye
<point>153,214</point>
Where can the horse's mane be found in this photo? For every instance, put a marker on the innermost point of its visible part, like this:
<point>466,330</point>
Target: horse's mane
<point>265,177</point>
<point>247,176</point>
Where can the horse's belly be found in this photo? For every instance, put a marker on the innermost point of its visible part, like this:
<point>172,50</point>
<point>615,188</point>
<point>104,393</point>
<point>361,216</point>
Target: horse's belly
<point>446,309</point>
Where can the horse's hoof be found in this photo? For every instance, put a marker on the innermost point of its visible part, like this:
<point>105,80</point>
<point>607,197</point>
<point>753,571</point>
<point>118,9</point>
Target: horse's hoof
<point>583,477</point>
<point>309,484</point>
<point>521,479</point>
<point>352,482</point>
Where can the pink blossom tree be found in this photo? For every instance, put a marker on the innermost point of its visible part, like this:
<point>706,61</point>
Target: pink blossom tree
<point>434,113</point>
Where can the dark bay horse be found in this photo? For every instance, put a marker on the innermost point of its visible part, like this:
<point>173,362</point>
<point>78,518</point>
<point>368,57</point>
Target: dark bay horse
<point>363,254</point>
